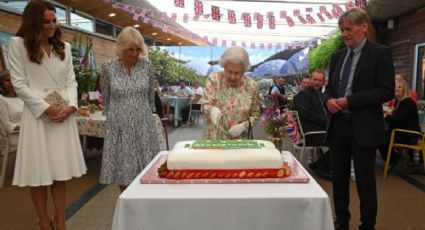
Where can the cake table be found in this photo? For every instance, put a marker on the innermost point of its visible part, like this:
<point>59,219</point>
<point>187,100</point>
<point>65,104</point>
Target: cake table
<point>243,206</point>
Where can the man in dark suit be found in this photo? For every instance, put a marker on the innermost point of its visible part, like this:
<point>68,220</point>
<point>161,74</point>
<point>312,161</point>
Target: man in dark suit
<point>309,104</point>
<point>361,78</point>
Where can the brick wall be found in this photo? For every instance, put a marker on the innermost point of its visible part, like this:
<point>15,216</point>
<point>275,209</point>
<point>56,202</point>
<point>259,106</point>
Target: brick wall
<point>409,31</point>
<point>103,48</point>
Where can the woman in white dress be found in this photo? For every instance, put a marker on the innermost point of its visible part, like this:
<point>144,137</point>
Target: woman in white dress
<point>49,150</point>
<point>10,108</point>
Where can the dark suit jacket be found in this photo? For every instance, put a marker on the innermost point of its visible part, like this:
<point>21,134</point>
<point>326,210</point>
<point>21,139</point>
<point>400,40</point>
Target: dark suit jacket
<point>310,110</point>
<point>373,84</point>
<point>404,116</point>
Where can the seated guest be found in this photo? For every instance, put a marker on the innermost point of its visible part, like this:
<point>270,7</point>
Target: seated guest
<point>231,99</point>
<point>305,82</point>
<point>196,99</point>
<point>404,116</point>
<point>157,88</point>
<point>182,90</point>
<point>278,91</point>
<point>11,108</point>
<point>308,102</point>
<point>413,94</point>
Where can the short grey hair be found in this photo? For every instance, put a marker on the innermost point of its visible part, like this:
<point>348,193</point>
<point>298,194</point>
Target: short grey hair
<point>3,75</point>
<point>355,16</point>
<point>127,36</point>
<point>235,55</point>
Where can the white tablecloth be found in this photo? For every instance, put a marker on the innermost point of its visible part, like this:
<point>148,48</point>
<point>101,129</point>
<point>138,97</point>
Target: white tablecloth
<point>273,206</point>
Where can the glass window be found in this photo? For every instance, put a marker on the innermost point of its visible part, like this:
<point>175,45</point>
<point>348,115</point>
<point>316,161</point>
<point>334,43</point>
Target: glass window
<point>14,5</point>
<point>104,28</point>
<point>419,68</point>
<point>81,21</point>
<point>117,31</point>
<point>148,41</point>
<point>61,14</point>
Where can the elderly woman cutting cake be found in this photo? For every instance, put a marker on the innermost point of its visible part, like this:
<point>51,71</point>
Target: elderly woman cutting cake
<point>231,99</point>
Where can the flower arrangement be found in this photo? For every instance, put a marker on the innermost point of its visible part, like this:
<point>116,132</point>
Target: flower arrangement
<point>274,122</point>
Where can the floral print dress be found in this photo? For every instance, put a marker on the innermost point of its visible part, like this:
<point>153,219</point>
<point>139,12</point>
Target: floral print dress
<point>131,139</point>
<point>237,105</point>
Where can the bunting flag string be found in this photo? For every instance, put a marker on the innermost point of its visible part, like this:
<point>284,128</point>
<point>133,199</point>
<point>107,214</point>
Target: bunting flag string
<point>157,20</point>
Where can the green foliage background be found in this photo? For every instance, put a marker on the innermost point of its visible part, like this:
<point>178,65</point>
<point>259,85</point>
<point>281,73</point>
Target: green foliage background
<point>169,70</point>
<point>320,56</point>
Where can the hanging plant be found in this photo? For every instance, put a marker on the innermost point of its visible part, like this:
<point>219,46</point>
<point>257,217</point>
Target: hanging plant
<point>321,55</point>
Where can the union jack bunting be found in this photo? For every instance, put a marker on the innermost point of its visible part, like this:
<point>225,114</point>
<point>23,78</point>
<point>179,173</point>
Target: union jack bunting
<point>270,46</point>
<point>310,19</point>
<point>207,16</point>
<point>297,12</point>
<point>321,18</point>
<point>232,17</point>
<point>163,16</point>
<point>322,9</point>
<point>334,13</point>
<point>243,44</point>
<point>173,17</point>
<point>260,21</point>
<point>294,45</point>
<point>165,28</point>
<point>179,3</point>
<point>252,45</point>
<point>205,39</point>
<point>224,42</point>
<point>199,7</point>
<point>361,4</point>
<point>338,9</point>
<point>233,43</point>
<point>146,20</point>
<point>286,46</point>
<point>302,19</point>
<point>185,18</point>
<point>290,21</point>
<point>302,45</point>
<point>329,15</point>
<point>282,14</point>
<point>272,23</point>
<point>278,46</point>
<point>270,14</point>
<point>136,15</point>
<point>195,17</point>
<point>127,8</point>
<point>309,9</point>
<point>215,13</point>
<point>215,41</point>
<point>350,5</point>
<point>262,46</point>
<point>246,19</point>
<point>152,14</point>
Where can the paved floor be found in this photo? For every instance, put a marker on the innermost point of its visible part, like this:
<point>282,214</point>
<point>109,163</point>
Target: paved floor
<point>91,206</point>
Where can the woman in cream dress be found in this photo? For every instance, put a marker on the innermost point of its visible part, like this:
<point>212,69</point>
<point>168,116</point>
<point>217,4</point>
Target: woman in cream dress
<point>49,150</point>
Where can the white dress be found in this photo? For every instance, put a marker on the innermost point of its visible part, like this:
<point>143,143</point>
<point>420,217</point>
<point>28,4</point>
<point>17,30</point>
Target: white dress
<point>10,116</point>
<point>47,151</point>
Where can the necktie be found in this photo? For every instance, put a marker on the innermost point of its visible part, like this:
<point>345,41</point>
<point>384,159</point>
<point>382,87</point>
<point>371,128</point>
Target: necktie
<point>345,75</point>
